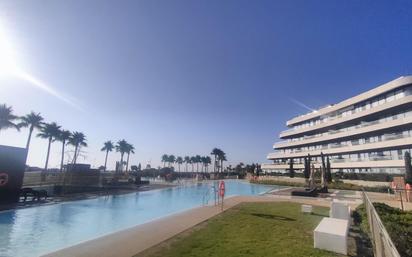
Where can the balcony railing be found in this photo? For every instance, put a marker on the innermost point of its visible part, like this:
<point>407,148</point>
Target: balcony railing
<point>354,111</point>
<point>346,160</point>
<point>387,137</point>
<point>333,132</point>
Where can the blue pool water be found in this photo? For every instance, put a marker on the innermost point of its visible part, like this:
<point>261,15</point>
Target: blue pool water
<point>43,229</point>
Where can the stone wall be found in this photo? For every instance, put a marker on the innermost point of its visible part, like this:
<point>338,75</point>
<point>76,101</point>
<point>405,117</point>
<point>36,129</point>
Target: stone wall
<point>40,178</point>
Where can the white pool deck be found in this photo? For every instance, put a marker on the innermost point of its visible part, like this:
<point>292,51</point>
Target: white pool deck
<point>128,242</point>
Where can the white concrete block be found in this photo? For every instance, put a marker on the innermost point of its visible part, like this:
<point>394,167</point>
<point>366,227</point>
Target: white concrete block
<point>331,234</point>
<point>306,208</point>
<point>339,211</point>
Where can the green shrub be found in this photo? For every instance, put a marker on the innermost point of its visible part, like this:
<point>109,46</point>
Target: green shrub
<point>383,177</point>
<point>333,185</point>
<point>398,223</point>
<point>278,183</point>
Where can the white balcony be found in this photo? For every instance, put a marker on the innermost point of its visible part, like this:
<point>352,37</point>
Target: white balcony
<point>374,110</point>
<point>342,165</point>
<point>405,80</point>
<point>385,144</point>
<point>365,127</point>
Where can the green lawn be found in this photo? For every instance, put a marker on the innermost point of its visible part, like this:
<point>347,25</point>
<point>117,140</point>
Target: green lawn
<point>250,229</point>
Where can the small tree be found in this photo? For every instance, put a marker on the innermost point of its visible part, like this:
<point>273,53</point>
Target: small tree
<point>408,168</point>
<point>291,171</point>
<point>306,171</point>
<point>328,171</point>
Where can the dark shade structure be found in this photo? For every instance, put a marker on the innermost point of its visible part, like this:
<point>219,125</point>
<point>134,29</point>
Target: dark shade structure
<point>291,171</point>
<point>328,171</point>
<point>322,156</point>
<point>12,166</point>
<point>306,171</point>
<point>408,168</point>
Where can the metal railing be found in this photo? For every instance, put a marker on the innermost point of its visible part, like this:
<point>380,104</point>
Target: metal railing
<point>211,192</point>
<point>381,241</point>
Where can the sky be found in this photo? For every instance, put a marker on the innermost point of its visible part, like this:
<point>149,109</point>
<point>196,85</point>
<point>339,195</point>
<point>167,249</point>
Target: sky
<point>182,77</point>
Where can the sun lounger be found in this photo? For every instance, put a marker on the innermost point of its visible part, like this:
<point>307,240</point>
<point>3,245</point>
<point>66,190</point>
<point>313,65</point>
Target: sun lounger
<point>35,194</point>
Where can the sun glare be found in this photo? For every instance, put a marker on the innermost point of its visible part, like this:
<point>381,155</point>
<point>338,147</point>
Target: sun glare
<point>9,67</point>
<point>8,62</point>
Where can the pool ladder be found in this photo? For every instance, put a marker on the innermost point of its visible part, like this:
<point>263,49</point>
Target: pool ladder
<point>210,192</point>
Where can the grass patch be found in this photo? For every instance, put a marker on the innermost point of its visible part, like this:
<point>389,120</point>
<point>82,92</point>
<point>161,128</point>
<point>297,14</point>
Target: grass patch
<point>333,185</point>
<point>249,229</point>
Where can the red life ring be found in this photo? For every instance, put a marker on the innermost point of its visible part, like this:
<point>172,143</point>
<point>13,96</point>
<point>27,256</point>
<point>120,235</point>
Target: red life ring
<point>222,188</point>
<point>4,179</point>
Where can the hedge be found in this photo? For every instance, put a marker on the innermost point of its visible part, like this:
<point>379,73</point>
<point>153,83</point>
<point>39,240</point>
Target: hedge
<point>333,185</point>
<point>398,223</point>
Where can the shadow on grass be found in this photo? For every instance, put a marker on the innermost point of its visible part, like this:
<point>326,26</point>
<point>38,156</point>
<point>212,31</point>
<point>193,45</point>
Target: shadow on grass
<point>271,216</point>
<point>320,215</point>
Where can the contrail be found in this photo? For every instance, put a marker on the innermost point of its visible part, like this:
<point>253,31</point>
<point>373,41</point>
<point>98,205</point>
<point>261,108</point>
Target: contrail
<point>41,85</point>
<point>302,105</point>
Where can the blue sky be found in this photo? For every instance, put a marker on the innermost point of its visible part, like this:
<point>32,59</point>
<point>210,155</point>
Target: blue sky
<point>183,77</point>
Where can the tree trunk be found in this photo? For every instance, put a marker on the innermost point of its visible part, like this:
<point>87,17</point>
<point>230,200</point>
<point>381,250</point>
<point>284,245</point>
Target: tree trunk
<point>62,158</point>
<point>214,165</point>
<point>75,154</point>
<point>121,162</point>
<point>29,138</point>
<point>105,160</point>
<point>48,154</point>
<point>127,162</point>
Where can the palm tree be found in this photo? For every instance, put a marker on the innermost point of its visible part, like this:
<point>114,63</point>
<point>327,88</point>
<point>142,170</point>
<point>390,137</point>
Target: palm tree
<point>206,161</point>
<point>171,159</point>
<point>32,120</point>
<point>198,160</point>
<point>122,147</point>
<point>187,161</point>
<point>7,118</point>
<point>222,158</point>
<point>63,137</point>
<point>193,161</point>
<point>108,147</point>
<point>202,161</point>
<point>165,159</point>
<point>179,161</point>
<point>51,132</point>
<point>130,149</point>
<point>77,139</point>
<point>215,152</point>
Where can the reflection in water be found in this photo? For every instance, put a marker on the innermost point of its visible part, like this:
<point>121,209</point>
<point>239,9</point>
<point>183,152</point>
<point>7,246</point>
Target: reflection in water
<point>38,230</point>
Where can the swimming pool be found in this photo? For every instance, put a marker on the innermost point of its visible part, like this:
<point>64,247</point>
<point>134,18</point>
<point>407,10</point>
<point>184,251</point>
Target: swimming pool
<point>43,229</point>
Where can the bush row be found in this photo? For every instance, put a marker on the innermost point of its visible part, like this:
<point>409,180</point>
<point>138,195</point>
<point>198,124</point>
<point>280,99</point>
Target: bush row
<point>382,177</point>
<point>398,223</point>
<point>334,185</point>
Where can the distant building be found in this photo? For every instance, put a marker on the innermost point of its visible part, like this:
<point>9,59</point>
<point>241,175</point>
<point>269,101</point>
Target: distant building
<point>369,132</point>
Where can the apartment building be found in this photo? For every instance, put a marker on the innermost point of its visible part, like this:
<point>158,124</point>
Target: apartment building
<point>369,132</point>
